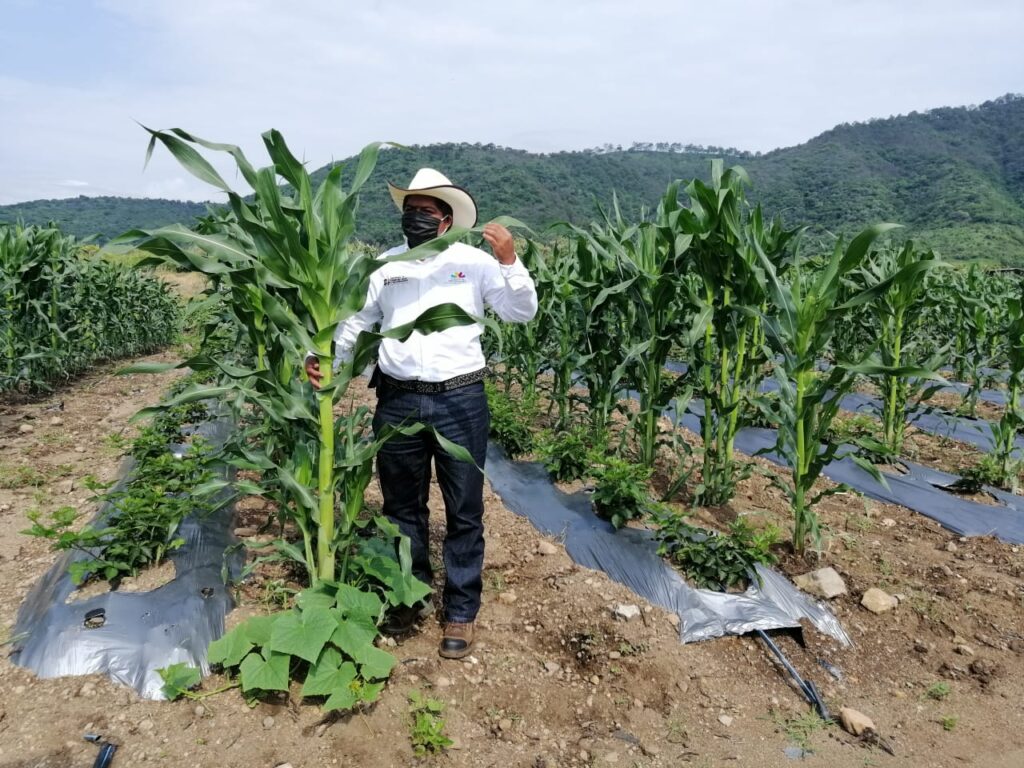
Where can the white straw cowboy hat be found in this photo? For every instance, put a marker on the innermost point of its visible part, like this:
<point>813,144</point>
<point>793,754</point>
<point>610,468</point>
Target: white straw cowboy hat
<point>429,182</point>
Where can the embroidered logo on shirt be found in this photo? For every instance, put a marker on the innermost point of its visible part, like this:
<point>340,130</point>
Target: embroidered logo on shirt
<point>457,277</point>
<point>392,280</point>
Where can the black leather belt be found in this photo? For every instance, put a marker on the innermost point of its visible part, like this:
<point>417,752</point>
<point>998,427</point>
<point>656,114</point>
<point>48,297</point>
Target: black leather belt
<point>429,387</point>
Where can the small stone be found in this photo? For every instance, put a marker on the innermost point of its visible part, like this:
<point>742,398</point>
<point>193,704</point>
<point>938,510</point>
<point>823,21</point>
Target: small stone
<point>946,570</point>
<point>888,522</point>
<point>877,601</point>
<point>146,725</point>
<point>199,711</point>
<point>56,421</point>
<point>79,449</point>
<point>26,429</point>
<point>321,729</point>
<point>595,680</point>
<point>283,765</point>
<point>546,548</point>
<point>855,722</point>
<point>725,720</point>
<point>950,547</point>
<point>507,597</point>
<point>982,668</point>
<point>245,532</point>
<point>87,690</point>
<point>626,612</point>
<point>964,650</point>
<point>825,582</point>
<point>65,486</point>
<point>673,619</point>
<point>505,724</point>
<point>552,667</point>
<point>920,646</point>
<point>530,628</point>
<point>614,655</point>
<point>268,722</point>
<point>443,682</point>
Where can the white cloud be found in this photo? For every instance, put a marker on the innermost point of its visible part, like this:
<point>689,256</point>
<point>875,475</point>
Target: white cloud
<point>539,75</point>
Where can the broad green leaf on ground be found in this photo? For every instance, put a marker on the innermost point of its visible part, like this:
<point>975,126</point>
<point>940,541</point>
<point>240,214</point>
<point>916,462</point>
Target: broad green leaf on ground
<point>303,634</point>
<point>354,602</point>
<point>314,598</point>
<point>265,673</point>
<point>178,678</point>
<point>229,649</point>
<point>370,691</point>
<point>375,663</point>
<point>258,628</point>
<point>354,634</point>
<point>329,675</point>
<point>342,698</point>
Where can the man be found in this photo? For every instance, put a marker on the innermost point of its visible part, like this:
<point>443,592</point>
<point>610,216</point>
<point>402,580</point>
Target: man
<point>437,379</point>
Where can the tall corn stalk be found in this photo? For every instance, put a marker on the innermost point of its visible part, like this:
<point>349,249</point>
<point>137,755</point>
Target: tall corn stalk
<point>806,315</point>
<point>63,310</point>
<point>896,318</point>
<point>727,242</point>
<point>289,270</point>
<point>1005,453</point>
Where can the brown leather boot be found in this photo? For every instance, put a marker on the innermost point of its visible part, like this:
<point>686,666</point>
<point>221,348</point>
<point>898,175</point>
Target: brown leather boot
<point>457,641</point>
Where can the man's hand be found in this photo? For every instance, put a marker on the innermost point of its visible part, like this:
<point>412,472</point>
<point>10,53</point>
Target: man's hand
<point>500,240</point>
<point>313,371</point>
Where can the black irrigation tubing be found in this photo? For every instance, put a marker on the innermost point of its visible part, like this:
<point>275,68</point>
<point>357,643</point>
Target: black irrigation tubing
<point>129,636</point>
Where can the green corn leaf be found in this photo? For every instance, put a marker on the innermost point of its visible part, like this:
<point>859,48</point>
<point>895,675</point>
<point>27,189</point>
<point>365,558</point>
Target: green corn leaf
<point>191,160</point>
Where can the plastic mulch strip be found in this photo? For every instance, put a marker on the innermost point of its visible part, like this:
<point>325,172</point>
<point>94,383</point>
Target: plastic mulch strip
<point>129,636</point>
<point>629,556</point>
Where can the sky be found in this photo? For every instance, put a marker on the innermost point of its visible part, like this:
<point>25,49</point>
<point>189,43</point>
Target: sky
<point>78,78</point>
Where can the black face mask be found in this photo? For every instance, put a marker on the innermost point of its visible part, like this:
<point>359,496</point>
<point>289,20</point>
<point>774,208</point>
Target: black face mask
<point>419,226</point>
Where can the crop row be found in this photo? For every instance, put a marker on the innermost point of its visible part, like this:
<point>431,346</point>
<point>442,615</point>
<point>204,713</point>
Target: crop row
<point>62,311</point>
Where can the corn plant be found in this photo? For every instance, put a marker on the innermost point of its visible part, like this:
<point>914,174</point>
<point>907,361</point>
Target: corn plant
<point>1005,454</point>
<point>648,309</point>
<point>560,316</point>
<point>290,273</point>
<point>727,241</point>
<point>896,318</point>
<point>972,310</point>
<point>63,311</point>
<point>808,311</point>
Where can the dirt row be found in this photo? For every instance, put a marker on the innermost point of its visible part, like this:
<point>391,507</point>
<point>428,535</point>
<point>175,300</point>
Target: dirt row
<point>556,680</point>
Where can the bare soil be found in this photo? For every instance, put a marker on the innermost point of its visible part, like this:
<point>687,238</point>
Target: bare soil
<point>555,680</point>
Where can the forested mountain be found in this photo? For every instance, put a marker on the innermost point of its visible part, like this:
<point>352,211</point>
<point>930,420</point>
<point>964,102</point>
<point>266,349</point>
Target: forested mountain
<point>104,217</point>
<point>953,176</point>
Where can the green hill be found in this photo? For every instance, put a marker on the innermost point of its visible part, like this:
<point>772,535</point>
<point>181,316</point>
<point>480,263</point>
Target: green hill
<point>953,176</point>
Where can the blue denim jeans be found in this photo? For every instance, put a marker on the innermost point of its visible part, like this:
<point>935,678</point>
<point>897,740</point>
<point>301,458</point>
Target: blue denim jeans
<point>403,466</point>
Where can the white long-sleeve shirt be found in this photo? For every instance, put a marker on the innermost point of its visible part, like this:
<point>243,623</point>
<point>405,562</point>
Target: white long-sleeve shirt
<point>401,290</point>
